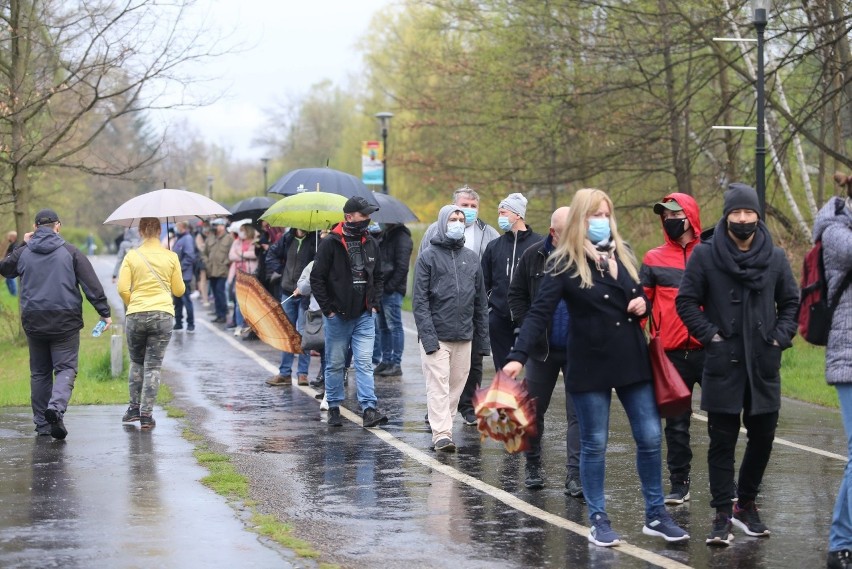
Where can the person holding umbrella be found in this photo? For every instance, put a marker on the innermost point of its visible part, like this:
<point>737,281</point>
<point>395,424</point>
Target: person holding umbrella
<point>148,279</point>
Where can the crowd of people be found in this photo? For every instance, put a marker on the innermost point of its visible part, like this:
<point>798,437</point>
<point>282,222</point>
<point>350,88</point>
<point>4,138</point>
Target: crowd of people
<point>723,302</point>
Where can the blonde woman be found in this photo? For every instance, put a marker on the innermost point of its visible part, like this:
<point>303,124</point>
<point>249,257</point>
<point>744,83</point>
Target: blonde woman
<point>597,276</point>
<point>149,276</point>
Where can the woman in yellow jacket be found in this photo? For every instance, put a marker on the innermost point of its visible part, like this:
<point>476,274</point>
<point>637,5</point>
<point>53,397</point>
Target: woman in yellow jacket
<point>148,278</point>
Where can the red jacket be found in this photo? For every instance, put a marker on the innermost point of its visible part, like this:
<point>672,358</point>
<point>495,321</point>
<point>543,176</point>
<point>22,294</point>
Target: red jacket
<point>661,272</point>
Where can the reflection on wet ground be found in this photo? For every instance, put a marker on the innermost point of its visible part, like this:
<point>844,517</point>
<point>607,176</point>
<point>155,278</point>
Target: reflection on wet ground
<point>366,503</point>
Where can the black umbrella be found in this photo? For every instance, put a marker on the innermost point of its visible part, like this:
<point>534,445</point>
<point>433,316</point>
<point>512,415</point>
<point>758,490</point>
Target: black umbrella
<point>392,210</point>
<point>323,179</point>
<point>251,207</point>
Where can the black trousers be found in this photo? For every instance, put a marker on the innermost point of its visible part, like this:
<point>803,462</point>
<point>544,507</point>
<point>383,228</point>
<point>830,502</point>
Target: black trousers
<point>501,332</point>
<point>690,365</point>
<point>724,430</point>
<point>541,381</point>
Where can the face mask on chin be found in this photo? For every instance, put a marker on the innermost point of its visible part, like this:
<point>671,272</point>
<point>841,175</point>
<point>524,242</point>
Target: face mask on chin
<point>742,231</point>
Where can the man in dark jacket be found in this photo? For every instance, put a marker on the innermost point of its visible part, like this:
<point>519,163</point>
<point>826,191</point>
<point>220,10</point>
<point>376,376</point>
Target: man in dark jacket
<point>184,248</point>
<point>661,272</point>
<point>498,267</point>
<point>347,285</point>
<point>547,358</point>
<point>52,272</point>
<point>285,261</point>
<point>395,246</point>
<point>738,297</point>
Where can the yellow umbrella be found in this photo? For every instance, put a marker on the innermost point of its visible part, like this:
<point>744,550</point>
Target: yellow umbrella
<point>310,211</point>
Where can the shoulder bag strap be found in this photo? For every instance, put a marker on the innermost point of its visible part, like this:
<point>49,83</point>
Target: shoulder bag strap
<point>153,272</point>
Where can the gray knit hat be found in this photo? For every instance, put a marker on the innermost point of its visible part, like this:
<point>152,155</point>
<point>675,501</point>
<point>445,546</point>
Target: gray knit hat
<point>516,203</point>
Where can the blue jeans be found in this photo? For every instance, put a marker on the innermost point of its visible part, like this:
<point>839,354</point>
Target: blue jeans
<point>293,310</point>
<point>217,284</point>
<point>593,415</point>
<point>339,333</point>
<point>390,337</point>
<point>12,285</point>
<point>184,301</point>
<point>840,534</point>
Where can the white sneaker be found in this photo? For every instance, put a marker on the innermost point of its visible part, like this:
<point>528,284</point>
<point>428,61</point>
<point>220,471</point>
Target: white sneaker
<point>195,294</point>
<point>324,404</point>
<point>238,331</point>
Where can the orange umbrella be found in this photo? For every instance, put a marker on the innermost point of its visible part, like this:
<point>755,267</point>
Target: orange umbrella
<point>265,315</point>
<point>505,412</point>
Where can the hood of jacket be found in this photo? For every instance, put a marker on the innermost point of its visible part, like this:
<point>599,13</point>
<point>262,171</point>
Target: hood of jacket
<point>690,208</point>
<point>45,240</point>
<point>441,237</point>
<point>835,211</point>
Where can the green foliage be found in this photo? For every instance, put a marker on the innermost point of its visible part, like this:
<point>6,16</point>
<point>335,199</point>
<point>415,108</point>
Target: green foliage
<point>803,374</point>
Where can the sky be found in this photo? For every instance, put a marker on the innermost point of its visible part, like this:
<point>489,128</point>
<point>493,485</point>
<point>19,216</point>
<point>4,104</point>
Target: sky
<point>289,46</point>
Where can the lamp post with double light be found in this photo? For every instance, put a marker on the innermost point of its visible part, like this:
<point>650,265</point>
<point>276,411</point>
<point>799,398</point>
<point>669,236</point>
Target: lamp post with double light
<point>384,123</point>
<point>759,21</point>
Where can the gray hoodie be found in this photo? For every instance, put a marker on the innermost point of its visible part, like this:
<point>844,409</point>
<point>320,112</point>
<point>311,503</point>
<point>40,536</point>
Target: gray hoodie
<point>835,230</point>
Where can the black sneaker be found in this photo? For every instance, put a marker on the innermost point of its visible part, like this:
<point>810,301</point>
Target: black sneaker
<point>57,427</point>
<point>373,418</point>
<point>839,559</point>
<point>534,479</point>
<point>747,519</point>
<point>190,328</point>
<point>679,493</point>
<point>445,445</point>
<point>130,416</point>
<point>721,533</point>
<point>381,367</point>
<point>177,327</point>
<point>573,487</point>
<point>146,422</point>
<point>334,419</point>
<point>392,370</point>
<point>469,417</point>
<point>318,382</point>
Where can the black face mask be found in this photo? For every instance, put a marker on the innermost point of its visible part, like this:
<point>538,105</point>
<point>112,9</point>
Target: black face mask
<point>742,231</point>
<point>356,227</point>
<point>675,227</point>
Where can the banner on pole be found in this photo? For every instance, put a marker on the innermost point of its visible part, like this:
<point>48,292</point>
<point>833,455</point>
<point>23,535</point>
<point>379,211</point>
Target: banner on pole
<point>372,166</point>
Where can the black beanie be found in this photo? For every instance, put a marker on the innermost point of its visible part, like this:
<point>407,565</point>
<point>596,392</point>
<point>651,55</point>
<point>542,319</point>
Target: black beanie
<point>740,196</point>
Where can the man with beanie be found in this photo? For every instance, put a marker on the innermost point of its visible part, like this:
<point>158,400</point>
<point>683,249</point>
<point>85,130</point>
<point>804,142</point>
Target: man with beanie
<point>661,272</point>
<point>347,283</point>
<point>499,262</point>
<point>738,297</point>
<point>52,273</point>
<point>477,236</point>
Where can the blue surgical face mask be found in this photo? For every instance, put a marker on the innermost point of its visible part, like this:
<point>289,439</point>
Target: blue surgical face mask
<point>455,230</point>
<point>469,215</point>
<point>598,229</point>
<point>504,223</point>
<point>374,228</point>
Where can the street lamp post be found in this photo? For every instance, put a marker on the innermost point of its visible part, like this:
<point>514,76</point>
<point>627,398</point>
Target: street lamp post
<point>759,21</point>
<point>384,122</point>
<point>210,186</point>
<point>265,162</point>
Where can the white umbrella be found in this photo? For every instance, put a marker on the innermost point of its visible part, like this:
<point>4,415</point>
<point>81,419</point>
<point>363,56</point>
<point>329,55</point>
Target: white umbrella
<point>166,205</point>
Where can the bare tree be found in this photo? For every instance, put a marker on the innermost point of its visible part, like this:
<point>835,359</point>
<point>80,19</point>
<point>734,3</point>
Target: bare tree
<point>70,71</point>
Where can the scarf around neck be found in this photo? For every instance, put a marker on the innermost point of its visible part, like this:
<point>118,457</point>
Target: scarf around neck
<point>749,267</point>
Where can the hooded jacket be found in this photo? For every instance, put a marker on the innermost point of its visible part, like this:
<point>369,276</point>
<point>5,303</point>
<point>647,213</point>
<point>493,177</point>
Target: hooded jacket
<point>276,255</point>
<point>331,277</point>
<point>661,273</point>
<point>449,293</point>
<point>833,226</point>
<point>750,300</point>
<point>52,272</point>
<point>499,263</point>
<point>396,246</point>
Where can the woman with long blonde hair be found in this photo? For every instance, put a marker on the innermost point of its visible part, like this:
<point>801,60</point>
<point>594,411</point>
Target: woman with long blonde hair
<point>597,275</point>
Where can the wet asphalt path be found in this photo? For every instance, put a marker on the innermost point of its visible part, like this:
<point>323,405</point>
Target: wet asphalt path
<point>368,498</point>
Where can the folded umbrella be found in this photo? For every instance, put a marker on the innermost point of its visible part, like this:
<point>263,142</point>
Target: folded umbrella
<point>265,315</point>
<point>505,412</point>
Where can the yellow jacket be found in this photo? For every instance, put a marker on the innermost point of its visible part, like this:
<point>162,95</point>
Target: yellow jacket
<point>140,290</point>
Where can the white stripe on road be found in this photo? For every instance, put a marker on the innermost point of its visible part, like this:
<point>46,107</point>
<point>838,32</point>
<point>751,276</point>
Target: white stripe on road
<point>430,462</point>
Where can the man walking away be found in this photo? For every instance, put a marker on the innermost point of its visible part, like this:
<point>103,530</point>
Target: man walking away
<point>52,273</point>
<point>185,250</point>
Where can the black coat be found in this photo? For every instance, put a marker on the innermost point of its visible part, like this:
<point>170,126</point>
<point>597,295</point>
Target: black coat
<point>606,344</point>
<point>523,289</point>
<point>711,300</point>
<point>499,263</point>
<point>276,255</point>
<point>396,246</point>
<point>331,277</point>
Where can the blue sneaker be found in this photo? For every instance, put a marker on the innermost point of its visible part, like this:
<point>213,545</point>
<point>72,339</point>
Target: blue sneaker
<point>662,525</point>
<point>601,532</point>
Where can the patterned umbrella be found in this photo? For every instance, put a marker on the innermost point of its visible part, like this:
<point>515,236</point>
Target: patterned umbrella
<point>505,412</point>
<point>265,315</point>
